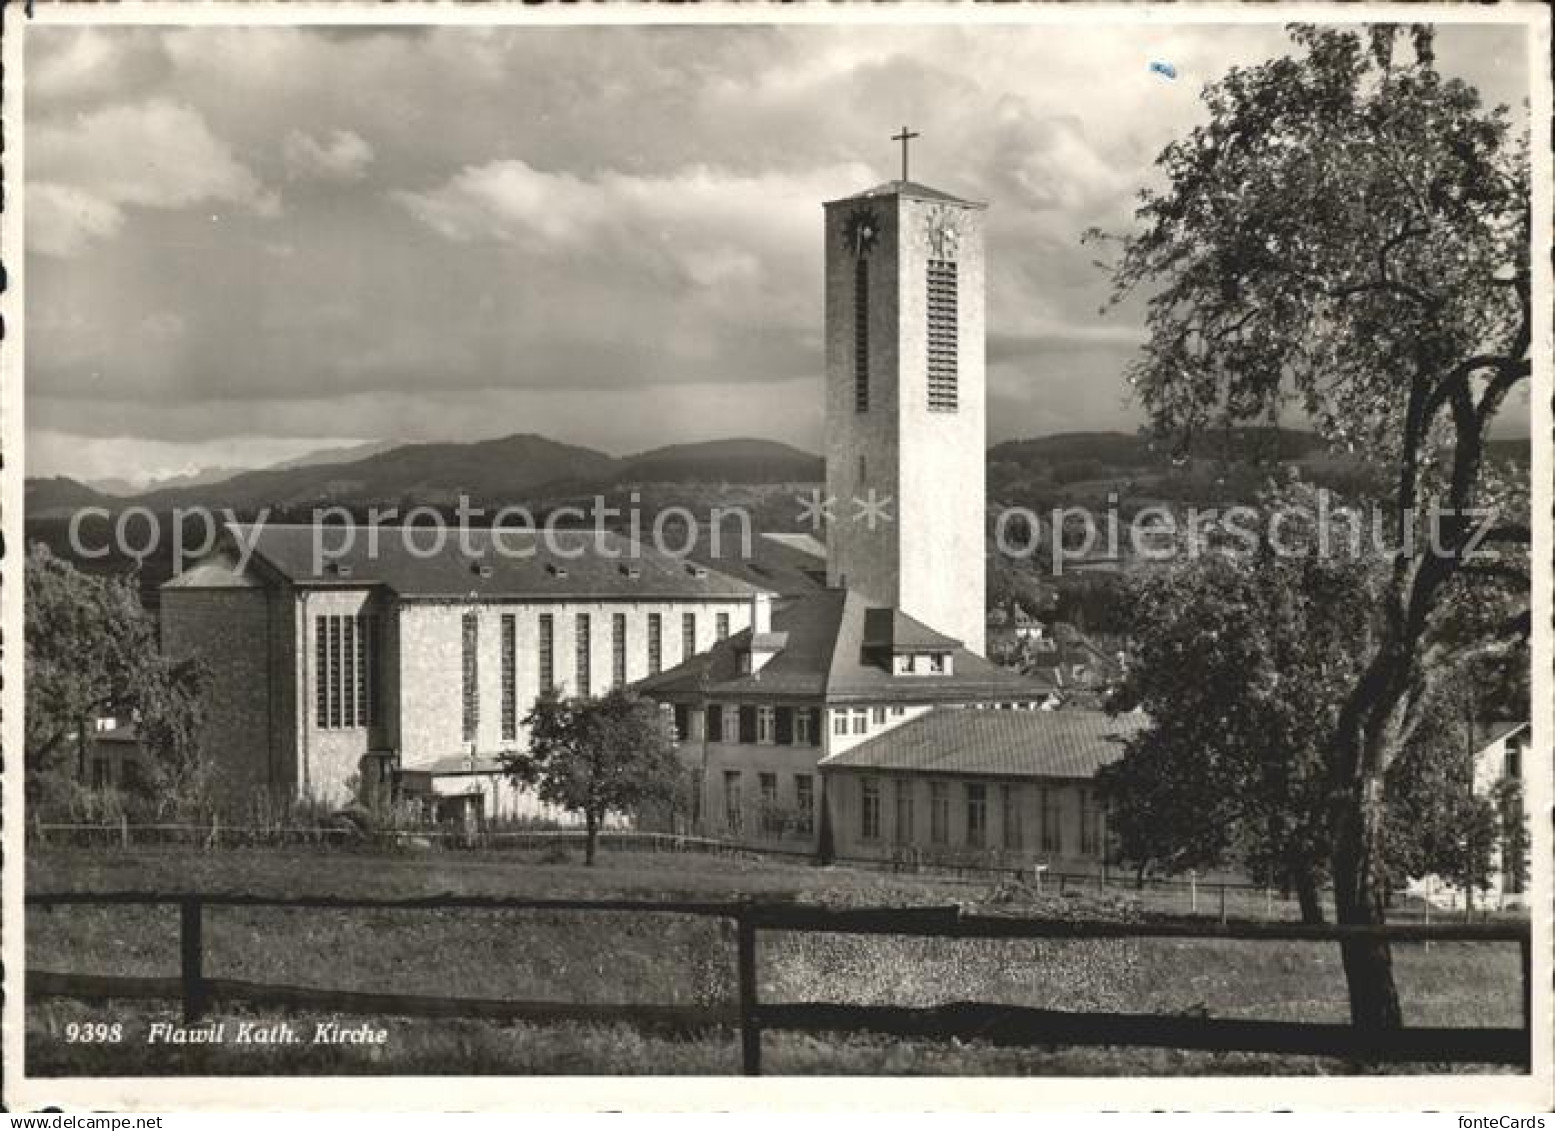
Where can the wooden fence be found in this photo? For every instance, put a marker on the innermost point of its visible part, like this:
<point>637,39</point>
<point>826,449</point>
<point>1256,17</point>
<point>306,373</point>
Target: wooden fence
<point>994,1023</point>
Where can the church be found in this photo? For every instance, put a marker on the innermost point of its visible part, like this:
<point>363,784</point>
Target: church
<point>832,697</point>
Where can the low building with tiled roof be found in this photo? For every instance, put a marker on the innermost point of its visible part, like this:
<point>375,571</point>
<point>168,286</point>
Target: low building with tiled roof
<point>761,714</point>
<point>956,786</point>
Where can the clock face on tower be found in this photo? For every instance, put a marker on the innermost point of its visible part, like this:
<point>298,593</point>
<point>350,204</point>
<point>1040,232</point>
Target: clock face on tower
<point>943,238</point>
<point>861,231</point>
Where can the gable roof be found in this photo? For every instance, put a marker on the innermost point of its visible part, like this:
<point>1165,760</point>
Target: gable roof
<point>553,564</point>
<point>1030,744</point>
<point>914,189</point>
<point>788,564</point>
<point>827,656</point>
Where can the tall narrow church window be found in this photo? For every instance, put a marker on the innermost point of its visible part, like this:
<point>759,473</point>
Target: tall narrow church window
<point>470,672</point>
<point>509,677</point>
<point>861,335</point>
<point>655,643</point>
<point>618,650</point>
<point>334,671</point>
<point>585,680</point>
<point>943,335</point>
<point>321,668</point>
<point>366,658</point>
<point>547,652</point>
<point>348,671</point>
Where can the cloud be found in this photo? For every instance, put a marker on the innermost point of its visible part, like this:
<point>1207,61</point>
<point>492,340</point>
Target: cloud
<point>342,156</point>
<point>155,155</point>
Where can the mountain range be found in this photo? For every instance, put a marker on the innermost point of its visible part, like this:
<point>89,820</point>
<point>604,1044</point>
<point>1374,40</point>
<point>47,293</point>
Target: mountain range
<point>528,468</point>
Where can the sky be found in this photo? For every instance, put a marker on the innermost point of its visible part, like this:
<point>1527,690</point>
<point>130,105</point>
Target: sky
<point>244,244</point>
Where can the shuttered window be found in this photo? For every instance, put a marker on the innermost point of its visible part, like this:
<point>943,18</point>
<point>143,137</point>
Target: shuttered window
<point>943,332</point>
<point>861,335</point>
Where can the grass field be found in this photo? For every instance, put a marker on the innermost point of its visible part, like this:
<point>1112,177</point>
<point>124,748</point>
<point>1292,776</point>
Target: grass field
<point>602,957</point>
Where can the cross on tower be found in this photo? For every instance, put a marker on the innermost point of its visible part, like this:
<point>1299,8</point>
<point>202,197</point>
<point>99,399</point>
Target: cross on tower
<point>904,137</point>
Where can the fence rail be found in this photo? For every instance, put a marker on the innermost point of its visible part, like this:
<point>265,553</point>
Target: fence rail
<point>995,1023</point>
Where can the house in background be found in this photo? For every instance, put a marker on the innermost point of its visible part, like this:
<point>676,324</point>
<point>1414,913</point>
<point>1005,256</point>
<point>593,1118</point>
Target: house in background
<point>114,759</point>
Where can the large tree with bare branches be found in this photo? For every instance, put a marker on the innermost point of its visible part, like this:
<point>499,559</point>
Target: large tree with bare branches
<point>1348,236</point>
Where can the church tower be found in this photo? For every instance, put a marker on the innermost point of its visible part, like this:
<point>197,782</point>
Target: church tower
<point>906,426</point>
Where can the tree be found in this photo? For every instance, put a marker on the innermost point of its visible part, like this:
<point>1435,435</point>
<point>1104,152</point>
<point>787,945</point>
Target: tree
<point>91,650</point>
<point>1236,660</point>
<point>1349,234</point>
<point>613,754</point>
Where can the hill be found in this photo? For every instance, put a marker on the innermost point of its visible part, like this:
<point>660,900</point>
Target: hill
<point>60,495</point>
<point>723,461</point>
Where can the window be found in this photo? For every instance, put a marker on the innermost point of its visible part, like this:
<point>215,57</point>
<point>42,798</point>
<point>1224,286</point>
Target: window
<point>655,643</point>
<point>336,634</point>
<point>869,809</point>
<point>731,723</point>
<point>939,812</point>
<point>903,810</point>
<point>861,335</point>
<point>804,802</point>
<point>723,626</point>
<point>348,671</point>
<point>771,819</point>
<point>976,815</point>
<point>839,723</point>
<point>697,785</point>
<point>766,725</point>
<point>714,724</point>
<point>747,724</point>
<point>1090,824</point>
<point>547,652</point>
<point>1049,827</point>
<point>898,711</point>
<point>618,650</point>
<point>942,335</point>
<point>860,721</point>
<point>582,654</point>
<point>470,669</point>
<point>803,735</point>
<point>509,677</point>
<point>682,722</point>
<point>733,808</point>
<point>937,663</point>
<point>1009,813</point>
<point>366,646</point>
<point>345,648</point>
<point>688,635</point>
<point>785,725</point>
<point>879,716</point>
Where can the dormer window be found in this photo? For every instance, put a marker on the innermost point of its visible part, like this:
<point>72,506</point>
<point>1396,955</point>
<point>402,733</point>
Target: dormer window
<point>938,663</point>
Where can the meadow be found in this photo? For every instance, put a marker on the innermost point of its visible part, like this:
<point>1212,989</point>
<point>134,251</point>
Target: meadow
<point>615,957</point>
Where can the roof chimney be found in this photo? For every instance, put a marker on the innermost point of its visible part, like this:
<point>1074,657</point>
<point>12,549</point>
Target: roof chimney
<point>761,614</point>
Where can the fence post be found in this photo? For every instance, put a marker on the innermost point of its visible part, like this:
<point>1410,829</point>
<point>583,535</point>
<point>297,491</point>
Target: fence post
<point>750,1023</point>
<point>190,959</point>
<point>1525,945</point>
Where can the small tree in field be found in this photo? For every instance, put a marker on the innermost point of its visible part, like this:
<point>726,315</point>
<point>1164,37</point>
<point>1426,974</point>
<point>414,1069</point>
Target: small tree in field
<point>598,756</point>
